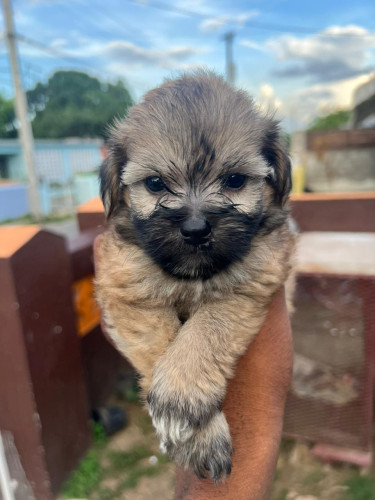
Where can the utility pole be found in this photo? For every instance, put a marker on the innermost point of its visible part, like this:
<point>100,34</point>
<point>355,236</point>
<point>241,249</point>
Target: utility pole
<point>230,69</point>
<point>25,131</point>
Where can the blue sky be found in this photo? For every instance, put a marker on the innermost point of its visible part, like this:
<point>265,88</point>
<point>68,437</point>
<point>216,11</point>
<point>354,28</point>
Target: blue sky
<point>302,58</point>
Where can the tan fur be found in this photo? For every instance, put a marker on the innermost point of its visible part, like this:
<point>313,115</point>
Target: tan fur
<point>185,336</point>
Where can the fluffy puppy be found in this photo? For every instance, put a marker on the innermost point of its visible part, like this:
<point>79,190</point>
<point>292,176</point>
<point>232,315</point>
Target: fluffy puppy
<point>195,191</point>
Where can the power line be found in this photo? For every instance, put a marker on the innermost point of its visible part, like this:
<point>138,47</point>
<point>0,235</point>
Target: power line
<point>44,48</point>
<point>282,28</point>
<point>58,53</point>
<point>96,20</point>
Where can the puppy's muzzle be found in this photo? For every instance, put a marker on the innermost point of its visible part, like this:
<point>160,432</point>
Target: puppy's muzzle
<point>195,230</point>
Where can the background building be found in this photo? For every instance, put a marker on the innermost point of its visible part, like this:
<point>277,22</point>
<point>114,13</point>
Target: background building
<point>67,173</point>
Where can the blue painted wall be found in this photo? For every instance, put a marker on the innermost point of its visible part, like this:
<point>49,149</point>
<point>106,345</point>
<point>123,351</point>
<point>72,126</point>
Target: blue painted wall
<point>13,201</point>
<point>66,170</point>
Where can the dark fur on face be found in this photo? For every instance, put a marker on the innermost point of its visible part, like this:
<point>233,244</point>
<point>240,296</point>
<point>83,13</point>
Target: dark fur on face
<point>194,133</point>
<point>231,237</point>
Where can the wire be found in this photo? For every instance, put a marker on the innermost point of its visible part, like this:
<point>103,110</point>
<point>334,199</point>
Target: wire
<point>50,50</point>
<point>253,24</point>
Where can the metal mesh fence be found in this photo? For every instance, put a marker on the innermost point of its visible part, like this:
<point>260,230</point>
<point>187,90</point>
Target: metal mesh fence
<point>331,397</point>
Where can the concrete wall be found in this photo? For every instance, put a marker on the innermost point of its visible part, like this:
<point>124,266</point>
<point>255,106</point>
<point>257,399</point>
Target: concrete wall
<point>67,171</point>
<point>336,161</point>
<point>16,168</point>
<point>55,160</point>
<point>86,187</point>
<point>13,201</point>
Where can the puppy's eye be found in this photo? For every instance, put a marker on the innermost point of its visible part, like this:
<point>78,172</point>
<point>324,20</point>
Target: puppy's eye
<point>154,184</point>
<point>235,181</point>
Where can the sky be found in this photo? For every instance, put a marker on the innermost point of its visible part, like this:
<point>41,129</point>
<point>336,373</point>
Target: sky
<point>300,58</point>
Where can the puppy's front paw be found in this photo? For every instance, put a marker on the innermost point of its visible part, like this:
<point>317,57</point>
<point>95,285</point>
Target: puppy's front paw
<point>176,419</point>
<point>208,451</point>
<point>176,416</point>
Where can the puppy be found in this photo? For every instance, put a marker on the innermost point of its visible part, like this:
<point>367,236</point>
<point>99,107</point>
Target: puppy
<point>195,191</point>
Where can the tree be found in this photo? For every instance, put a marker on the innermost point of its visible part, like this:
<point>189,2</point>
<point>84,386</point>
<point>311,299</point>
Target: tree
<point>332,121</point>
<point>7,119</point>
<point>74,104</point>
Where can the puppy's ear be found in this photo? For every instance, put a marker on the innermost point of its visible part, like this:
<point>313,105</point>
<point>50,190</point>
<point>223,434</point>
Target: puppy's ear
<point>110,179</point>
<point>275,152</point>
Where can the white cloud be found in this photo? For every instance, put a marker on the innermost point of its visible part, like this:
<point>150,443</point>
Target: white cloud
<point>130,53</point>
<point>335,53</point>
<point>59,43</point>
<point>267,99</point>
<point>322,99</point>
<point>214,23</point>
<point>191,4</point>
<point>253,45</point>
<point>124,53</point>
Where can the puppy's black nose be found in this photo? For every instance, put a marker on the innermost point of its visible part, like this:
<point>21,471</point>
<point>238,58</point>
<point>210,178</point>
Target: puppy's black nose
<point>195,230</point>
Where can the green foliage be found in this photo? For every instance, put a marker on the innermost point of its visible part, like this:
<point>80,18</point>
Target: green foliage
<point>132,394</point>
<point>99,435</point>
<point>145,424</point>
<point>7,119</point>
<point>137,473</point>
<point>283,494</point>
<point>360,488</point>
<point>121,459</point>
<point>132,464</point>
<point>129,462</point>
<point>84,478</point>
<point>89,471</point>
<point>30,219</point>
<point>332,121</point>
<point>74,104</point>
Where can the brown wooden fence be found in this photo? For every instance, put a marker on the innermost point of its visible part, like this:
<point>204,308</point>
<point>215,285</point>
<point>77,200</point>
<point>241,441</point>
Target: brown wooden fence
<point>340,139</point>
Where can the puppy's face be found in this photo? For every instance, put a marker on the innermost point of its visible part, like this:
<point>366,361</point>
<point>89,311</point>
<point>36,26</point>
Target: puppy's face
<point>194,173</point>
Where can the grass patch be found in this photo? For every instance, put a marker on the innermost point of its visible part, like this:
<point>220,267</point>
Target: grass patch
<point>311,483</point>
<point>30,219</point>
<point>133,476</point>
<point>360,488</point>
<point>145,424</point>
<point>138,473</point>
<point>133,393</point>
<point>84,478</point>
<point>128,464</point>
<point>282,495</point>
<point>105,494</point>
<point>122,459</point>
<point>89,471</point>
<point>99,435</point>
<point>123,469</point>
<point>287,445</point>
<point>163,459</point>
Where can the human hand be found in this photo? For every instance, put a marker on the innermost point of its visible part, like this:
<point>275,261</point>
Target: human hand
<point>254,407</point>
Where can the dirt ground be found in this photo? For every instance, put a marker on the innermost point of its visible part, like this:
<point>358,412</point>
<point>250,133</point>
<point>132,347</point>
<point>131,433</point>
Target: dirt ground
<point>156,473</point>
<point>132,468</point>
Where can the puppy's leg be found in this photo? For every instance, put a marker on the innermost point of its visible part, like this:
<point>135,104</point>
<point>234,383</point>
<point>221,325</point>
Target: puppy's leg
<point>140,327</point>
<point>189,381</point>
<point>140,334</point>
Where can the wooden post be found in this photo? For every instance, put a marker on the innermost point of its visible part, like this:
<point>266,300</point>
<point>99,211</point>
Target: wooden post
<point>43,397</point>
<point>101,362</point>
<point>90,215</point>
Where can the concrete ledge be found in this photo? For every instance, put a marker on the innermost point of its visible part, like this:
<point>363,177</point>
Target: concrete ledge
<point>329,454</point>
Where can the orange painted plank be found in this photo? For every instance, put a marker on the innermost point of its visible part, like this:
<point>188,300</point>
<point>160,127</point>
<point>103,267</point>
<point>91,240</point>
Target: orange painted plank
<point>12,238</point>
